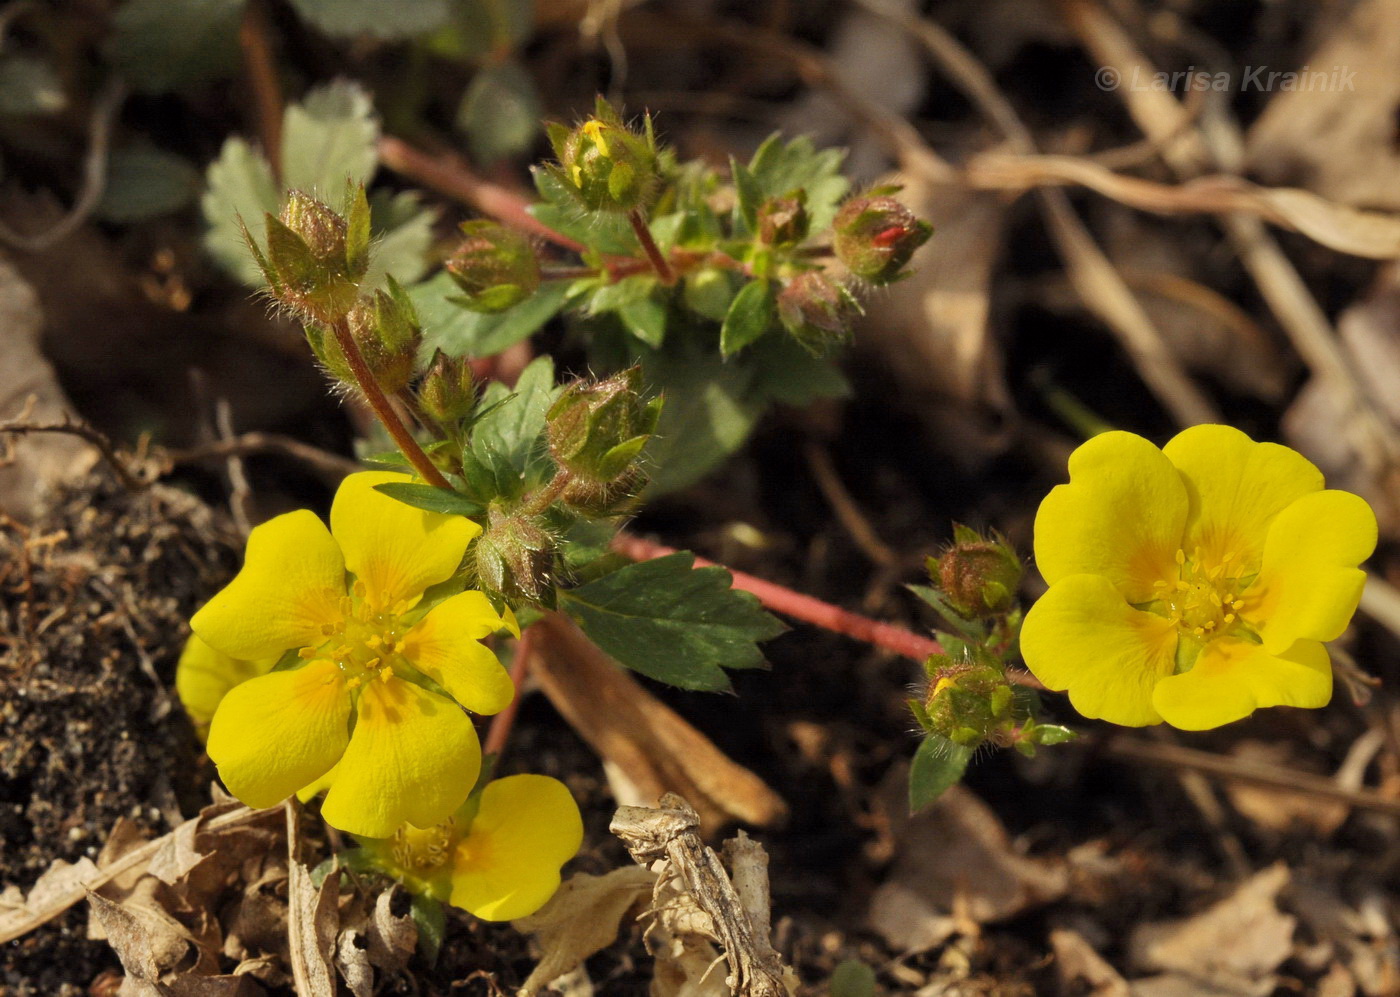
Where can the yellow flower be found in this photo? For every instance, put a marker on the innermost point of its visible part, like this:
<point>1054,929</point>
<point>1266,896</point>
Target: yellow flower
<point>500,864</point>
<point>204,676</point>
<point>1196,583</point>
<point>370,695</point>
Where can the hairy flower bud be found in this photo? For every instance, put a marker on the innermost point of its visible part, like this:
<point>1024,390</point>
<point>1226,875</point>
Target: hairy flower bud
<point>604,164</point>
<point>312,264</point>
<point>495,267</point>
<point>596,429</point>
<point>385,330</point>
<point>875,237</point>
<point>968,701</point>
<point>978,575</point>
<point>515,557</point>
<point>447,393</point>
<point>783,221</point>
<point>817,311</point>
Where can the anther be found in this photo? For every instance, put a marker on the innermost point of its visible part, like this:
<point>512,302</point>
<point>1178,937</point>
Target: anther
<point>1180,556</point>
<point>307,653</point>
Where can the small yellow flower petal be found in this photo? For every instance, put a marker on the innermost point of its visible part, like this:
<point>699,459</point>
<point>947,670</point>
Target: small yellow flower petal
<point>395,549</point>
<point>444,646</point>
<point>1232,678</point>
<point>274,734</point>
<point>413,758</point>
<point>292,581</point>
<point>1309,583</point>
<point>507,865</point>
<point>1081,636</point>
<point>204,676</point>
<point>1236,488</point>
<point>309,792</point>
<point>1121,516</point>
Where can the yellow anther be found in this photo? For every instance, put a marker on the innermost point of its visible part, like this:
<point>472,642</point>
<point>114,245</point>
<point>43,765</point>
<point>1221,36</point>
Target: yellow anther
<point>1229,617</point>
<point>327,629</point>
<point>371,664</point>
<point>1199,631</point>
<point>1227,557</point>
<point>359,588</point>
<point>373,641</point>
<point>307,653</point>
<point>1237,604</point>
<point>1183,587</point>
<point>1180,556</point>
<point>386,673</point>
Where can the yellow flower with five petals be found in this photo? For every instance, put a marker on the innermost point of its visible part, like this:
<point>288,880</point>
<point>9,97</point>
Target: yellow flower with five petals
<point>1195,583</point>
<point>381,693</point>
<point>501,862</point>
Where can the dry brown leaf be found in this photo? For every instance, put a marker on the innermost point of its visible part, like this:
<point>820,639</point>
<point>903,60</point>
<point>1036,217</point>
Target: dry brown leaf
<point>312,920</point>
<point>1079,966</point>
<point>1234,946</point>
<point>583,917</point>
<point>954,858</point>
<point>651,744</point>
<point>352,959</point>
<point>149,942</point>
<point>1278,809</point>
<point>392,938</point>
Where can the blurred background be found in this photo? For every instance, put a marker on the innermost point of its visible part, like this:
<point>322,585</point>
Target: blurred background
<point>1148,215</point>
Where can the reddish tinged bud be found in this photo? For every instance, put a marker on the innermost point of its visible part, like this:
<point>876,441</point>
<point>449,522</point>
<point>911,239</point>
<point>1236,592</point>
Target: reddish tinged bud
<point>447,393</point>
<point>783,221</point>
<point>515,558</point>
<point>979,576</point>
<point>495,267</point>
<point>876,236</point>
<point>817,311</point>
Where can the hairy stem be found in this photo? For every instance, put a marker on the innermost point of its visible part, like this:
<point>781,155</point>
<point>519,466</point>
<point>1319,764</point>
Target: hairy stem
<point>379,402</point>
<point>659,263</point>
<point>502,722</point>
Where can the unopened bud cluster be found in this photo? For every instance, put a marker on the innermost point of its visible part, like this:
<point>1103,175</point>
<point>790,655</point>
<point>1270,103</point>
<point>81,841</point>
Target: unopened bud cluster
<point>977,575</point>
<point>875,237</point>
<point>969,702</point>
<point>596,432</point>
<point>605,165</point>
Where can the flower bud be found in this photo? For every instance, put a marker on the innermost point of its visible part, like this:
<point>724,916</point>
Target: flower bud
<point>604,164</point>
<point>817,311</point>
<point>515,557</point>
<point>875,237</point>
<point>978,576</point>
<point>597,429</point>
<point>603,500</point>
<point>968,701</point>
<point>385,328</point>
<point>447,393</point>
<point>308,264</point>
<point>783,221</point>
<point>495,267</point>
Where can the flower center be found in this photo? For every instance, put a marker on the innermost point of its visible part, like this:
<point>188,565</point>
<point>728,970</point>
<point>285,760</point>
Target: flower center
<point>1203,600</point>
<point>364,643</point>
<point>421,851</point>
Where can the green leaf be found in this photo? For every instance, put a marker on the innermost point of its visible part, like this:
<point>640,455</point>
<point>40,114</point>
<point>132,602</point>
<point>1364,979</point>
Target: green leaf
<point>238,184</point>
<point>852,978</point>
<point>786,372</point>
<point>645,319</point>
<point>711,408</point>
<point>673,622</point>
<point>477,27</point>
<point>750,196</point>
<point>431,921</point>
<point>938,764</point>
<point>406,235</point>
<point>167,45</point>
<point>749,316</point>
<point>430,497</point>
<point>329,138</point>
<point>399,19</point>
<point>461,333</point>
<point>970,629</point>
<point>780,167</point>
<point>28,86</point>
<point>505,452</point>
<point>607,233</point>
<point>1053,734</point>
<point>500,112</point>
<point>146,182</point>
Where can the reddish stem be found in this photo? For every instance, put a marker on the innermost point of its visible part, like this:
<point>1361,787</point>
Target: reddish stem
<point>378,401</point>
<point>659,263</point>
<point>803,607</point>
<point>450,176</point>
<point>502,722</point>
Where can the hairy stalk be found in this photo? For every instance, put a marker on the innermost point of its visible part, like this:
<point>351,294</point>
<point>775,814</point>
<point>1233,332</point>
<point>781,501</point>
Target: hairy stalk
<point>379,402</point>
<point>659,263</point>
<point>502,722</point>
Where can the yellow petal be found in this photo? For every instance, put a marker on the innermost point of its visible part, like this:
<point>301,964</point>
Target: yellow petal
<point>1232,678</point>
<point>413,758</point>
<point>444,646</point>
<point>1121,516</point>
<point>312,790</point>
<point>507,865</point>
<point>1236,488</point>
<point>204,675</point>
<point>1309,583</point>
<point>292,581</point>
<point>1082,637</point>
<point>395,549</point>
<point>276,733</point>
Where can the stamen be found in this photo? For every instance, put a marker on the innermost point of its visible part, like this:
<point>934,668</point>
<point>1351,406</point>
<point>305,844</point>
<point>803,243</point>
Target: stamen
<point>1180,556</point>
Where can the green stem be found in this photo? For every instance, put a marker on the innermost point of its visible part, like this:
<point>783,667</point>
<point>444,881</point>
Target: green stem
<point>379,402</point>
